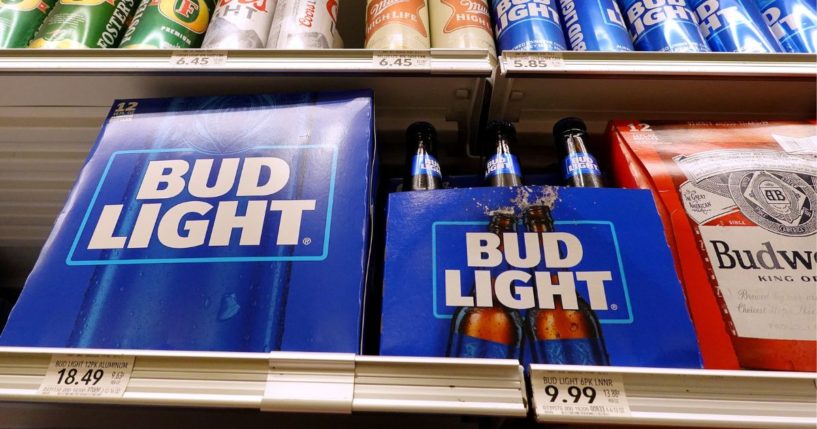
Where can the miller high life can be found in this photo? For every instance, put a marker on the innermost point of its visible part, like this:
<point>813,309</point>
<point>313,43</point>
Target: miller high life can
<point>165,24</point>
<point>304,24</point>
<point>75,24</point>
<point>738,201</point>
<point>20,19</point>
<point>461,24</point>
<point>239,24</point>
<point>397,25</point>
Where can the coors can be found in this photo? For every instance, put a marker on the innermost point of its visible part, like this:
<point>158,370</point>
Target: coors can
<point>397,24</point>
<point>240,24</point>
<point>461,24</point>
<point>304,24</point>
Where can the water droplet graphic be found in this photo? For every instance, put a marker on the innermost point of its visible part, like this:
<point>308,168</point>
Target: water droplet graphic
<point>229,306</point>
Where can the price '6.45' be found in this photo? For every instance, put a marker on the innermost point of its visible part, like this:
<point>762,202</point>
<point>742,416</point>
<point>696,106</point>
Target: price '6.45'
<point>69,376</point>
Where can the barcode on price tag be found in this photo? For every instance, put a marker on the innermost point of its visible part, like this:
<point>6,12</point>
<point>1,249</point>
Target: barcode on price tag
<point>198,59</point>
<point>532,61</point>
<point>402,60</point>
<point>583,394</point>
<point>87,375</point>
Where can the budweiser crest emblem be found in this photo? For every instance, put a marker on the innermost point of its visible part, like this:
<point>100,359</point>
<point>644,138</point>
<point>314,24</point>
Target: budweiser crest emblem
<point>776,201</point>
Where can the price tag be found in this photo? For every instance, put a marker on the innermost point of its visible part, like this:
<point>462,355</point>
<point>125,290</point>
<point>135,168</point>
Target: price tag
<point>198,59</point>
<point>87,375</point>
<point>402,60</point>
<point>532,61</point>
<point>586,394</point>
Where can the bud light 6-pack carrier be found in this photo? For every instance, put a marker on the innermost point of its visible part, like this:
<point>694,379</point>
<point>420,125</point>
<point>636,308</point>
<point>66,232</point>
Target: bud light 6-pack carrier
<point>541,274</point>
<point>235,223</point>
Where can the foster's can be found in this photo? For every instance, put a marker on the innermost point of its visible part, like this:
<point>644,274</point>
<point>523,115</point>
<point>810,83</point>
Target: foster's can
<point>734,26</point>
<point>594,25</point>
<point>528,25</point>
<point>663,26</point>
<point>20,19</point>
<point>793,23</point>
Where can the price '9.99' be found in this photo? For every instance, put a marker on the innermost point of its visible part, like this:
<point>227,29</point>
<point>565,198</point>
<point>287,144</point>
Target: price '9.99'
<point>576,393</point>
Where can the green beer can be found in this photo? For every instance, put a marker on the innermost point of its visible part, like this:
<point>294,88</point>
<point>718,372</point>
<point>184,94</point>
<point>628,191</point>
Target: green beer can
<point>20,19</point>
<point>76,24</point>
<point>168,24</point>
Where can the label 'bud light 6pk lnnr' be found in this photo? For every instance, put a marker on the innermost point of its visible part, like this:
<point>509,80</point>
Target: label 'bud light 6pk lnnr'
<point>793,23</point>
<point>540,274</point>
<point>528,25</point>
<point>594,25</point>
<point>20,19</point>
<point>224,223</point>
<point>663,26</point>
<point>734,26</point>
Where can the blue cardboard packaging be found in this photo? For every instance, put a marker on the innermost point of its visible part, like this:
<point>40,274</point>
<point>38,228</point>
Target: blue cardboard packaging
<point>236,223</point>
<point>471,273</point>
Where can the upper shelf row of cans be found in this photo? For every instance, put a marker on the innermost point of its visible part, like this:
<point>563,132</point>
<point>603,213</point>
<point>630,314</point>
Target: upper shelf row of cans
<point>750,26</point>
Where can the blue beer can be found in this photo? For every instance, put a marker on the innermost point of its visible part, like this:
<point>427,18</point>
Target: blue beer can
<point>734,26</point>
<point>594,25</point>
<point>793,23</point>
<point>663,26</point>
<point>528,25</point>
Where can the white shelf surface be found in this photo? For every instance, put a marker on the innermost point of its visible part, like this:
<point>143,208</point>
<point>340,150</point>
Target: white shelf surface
<point>695,398</point>
<point>290,382</point>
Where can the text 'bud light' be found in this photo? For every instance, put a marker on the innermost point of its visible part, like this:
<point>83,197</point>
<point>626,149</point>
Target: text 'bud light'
<point>528,25</point>
<point>594,25</point>
<point>793,23</point>
<point>734,26</point>
<point>663,26</point>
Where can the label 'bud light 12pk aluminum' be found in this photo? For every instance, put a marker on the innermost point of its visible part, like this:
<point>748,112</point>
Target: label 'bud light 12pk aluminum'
<point>663,26</point>
<point>793,23</point>
<point>540,274</point>
<point>528,25</point>
<point>20,19</point>
<point>738,201</point>
<point>234,223</point>
<point>734,26</point>
<point>594,25</point>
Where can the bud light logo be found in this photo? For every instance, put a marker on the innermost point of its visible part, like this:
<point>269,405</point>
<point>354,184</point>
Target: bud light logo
<point>645,15</point>
<point>181,205</point>
<point>473,268</point>
<point>512,12</point>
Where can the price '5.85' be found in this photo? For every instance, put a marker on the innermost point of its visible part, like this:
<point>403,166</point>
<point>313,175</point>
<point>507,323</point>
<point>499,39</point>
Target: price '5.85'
<point>69,376</point>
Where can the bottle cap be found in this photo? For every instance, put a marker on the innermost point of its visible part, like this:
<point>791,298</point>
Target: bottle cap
<point>567,124</point>
<point>421,129</point>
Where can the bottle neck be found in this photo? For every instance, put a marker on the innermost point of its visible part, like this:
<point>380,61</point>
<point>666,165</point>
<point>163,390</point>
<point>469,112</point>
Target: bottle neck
<point>573,142</point>
<point>538,219</point>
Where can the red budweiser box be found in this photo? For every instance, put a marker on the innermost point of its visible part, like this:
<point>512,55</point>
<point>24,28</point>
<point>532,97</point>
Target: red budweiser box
<point>738,203</point>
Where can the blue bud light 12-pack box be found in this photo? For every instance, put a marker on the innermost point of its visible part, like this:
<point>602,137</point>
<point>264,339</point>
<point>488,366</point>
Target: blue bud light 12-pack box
<point>236,223</point>
<point>540,274</point>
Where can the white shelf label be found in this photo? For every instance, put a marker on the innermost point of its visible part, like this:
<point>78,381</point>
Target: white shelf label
<point>581,394</point>
<point>534,61</point>
<point>87,375</point>
<point>402,60</point>
<point>198,59</point>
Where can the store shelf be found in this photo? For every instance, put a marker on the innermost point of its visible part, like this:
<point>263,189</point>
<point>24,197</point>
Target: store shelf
<point>699,398</point>
<point>291,382</point>
<point>601,86</point>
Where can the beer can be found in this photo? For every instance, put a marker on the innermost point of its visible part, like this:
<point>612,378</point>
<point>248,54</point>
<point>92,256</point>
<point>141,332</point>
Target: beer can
<point>460,24</point>
<point>793,23</point>
<point>528,25</point>
<point>168,24</point>
<point>20,19</point>
<point>397,24</point>
<point>76,24</point>
<point>304,24</point>
<point>663,26</point>
<point>594,25</point>
<point>734,26</point>
<point>239,24</point>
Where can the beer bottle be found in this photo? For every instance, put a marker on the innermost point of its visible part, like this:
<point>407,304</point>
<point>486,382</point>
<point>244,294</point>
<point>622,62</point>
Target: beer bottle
<point>502,167</point>
<point>562,335</point>
<point>488,332</point>
<point>422,168</point>
<point>579,167</point>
